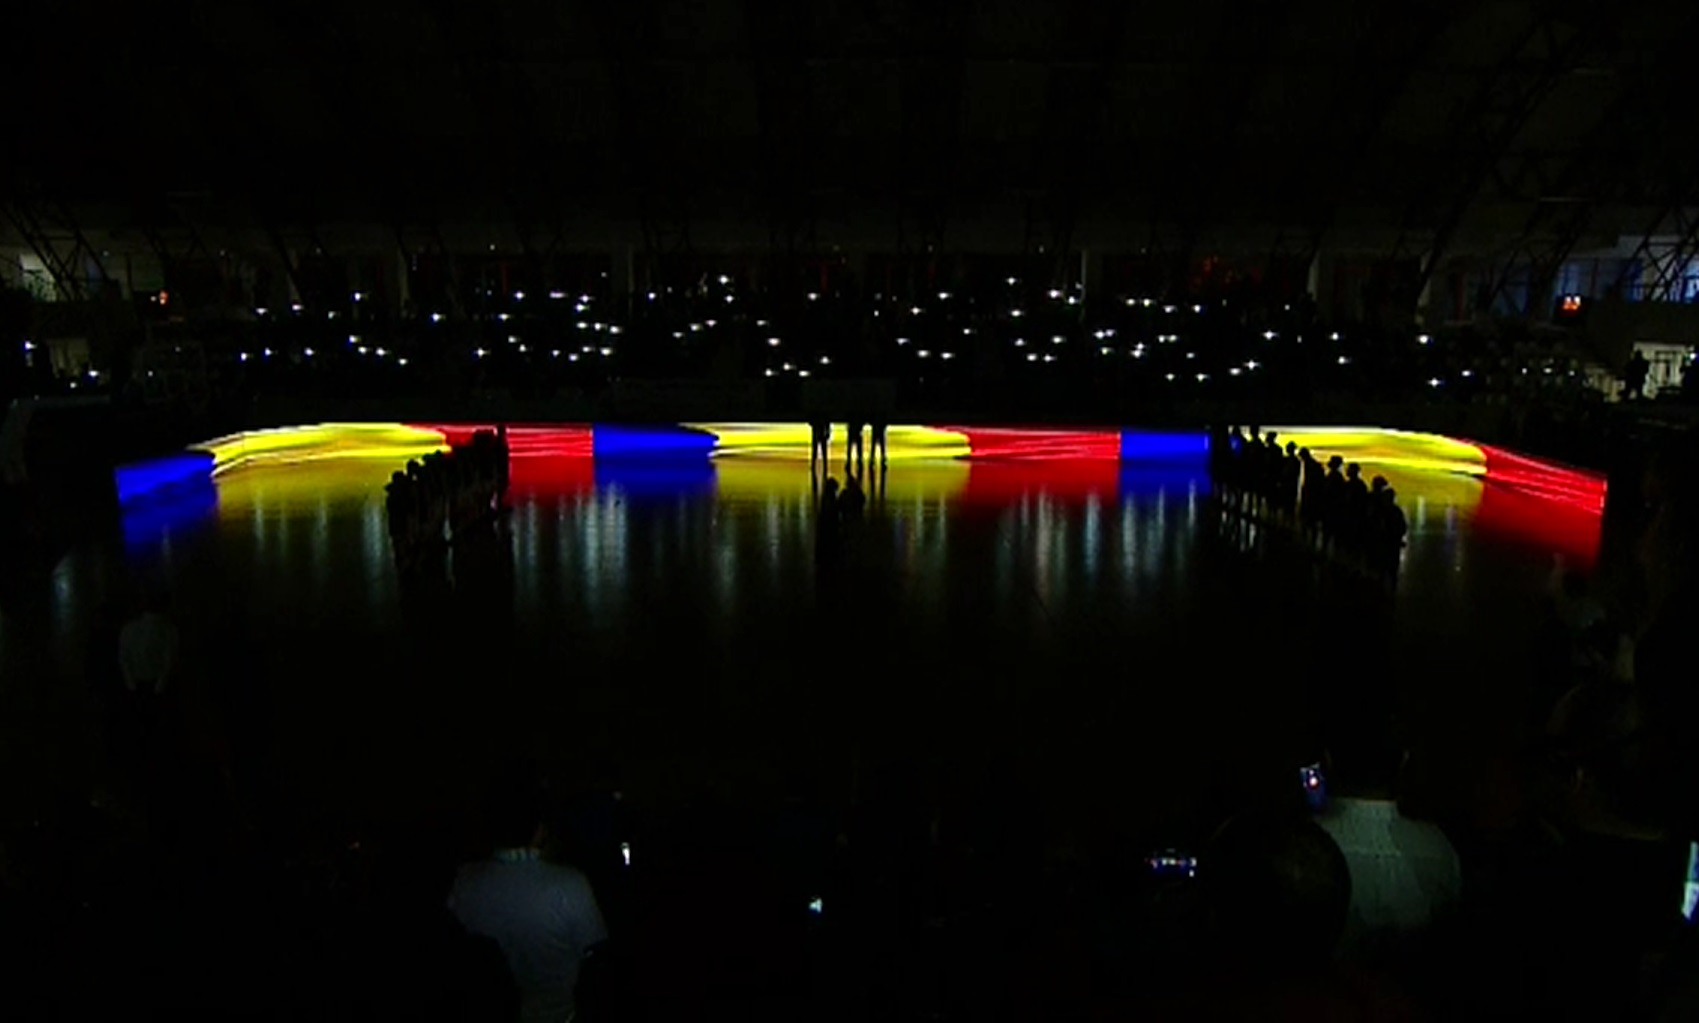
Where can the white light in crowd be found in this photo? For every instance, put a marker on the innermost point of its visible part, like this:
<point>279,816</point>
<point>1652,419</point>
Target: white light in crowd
<point>1233,372</point>
<point>789,367</point>
<point>512,339</point>
<point>1013,281</point>
<point>382,353</point>
<point>1072,300</point>
<point>363,350</point>
<point>1191,355</point>
<point>914,310</point>
<point>359,296</point>
<point>584,299</point>
<point>651,296</point>
<point>503,317</point>
<point>902,340</point>
<point>1032,357</point>
<point>1197,309</point>
<point>760,323</point>
<point>242,356</point>
<point>1423,339</point>
<point>519,296</point>
<point>1053,293</point>
<point>557,295</point>
<point>946,355</point>
<point>710,324</point>
<point>480,353</point>
<point>436,317</point>
<point>724,279</point>
<point>330,315</point>
<point>825,360</point>
<point>1020,342</point>
<point>1170,377</point>
<point>29,346</point>
<point>94,374</point>
<point>607,351</point>
<point>572,358</point>
<point>580,307</point>
<point>1138,353</point>
<point>353,339</point>
<point>1269,335</point>
<point>730,299</point>
<point>601,327</point>
<point>614,328</point>
<point>308,352</point>
<point>802,372</point>
<point>1050,358</point>
<point>1468,373</point>
<point>261,311</point>
<point>522,350</point>
<point>1016,313</point>
<point>267,353</point>
<point>1202,377</point>
<point>966,331</point>
<point>585,326</point>
<point>943,296</point>
<point>1168,309</point>
<point>1147,303</point>
<point>1434,381</point>
<point>1105,350</point>
<point>1334,336</point>
<point>814,296</point>
<point>773,342</point>
<point>1057,339</point>
<point>923,353</point>
<point>296,306</point>
<point>678,334</point>
<point>554,353</point>
<point>769,372</point>
<point>587,349</point>
<point>401,361</point>
<point>1343,361</point>
<point>1253,364</point>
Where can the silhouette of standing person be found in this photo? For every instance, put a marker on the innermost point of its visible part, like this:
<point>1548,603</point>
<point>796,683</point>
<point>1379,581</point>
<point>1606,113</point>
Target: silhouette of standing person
<point>876,441</point>
<point>853,454</point>
<point>1634,376</point>
<point>821,451</point>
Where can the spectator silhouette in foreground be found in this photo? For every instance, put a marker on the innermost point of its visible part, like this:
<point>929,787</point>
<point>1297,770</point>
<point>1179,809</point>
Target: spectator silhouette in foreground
<point>543,915</point>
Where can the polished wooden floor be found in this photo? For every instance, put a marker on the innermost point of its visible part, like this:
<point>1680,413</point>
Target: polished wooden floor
<point>1082,634</point>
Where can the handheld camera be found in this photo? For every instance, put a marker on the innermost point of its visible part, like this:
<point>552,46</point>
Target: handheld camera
<point>1314,784</point>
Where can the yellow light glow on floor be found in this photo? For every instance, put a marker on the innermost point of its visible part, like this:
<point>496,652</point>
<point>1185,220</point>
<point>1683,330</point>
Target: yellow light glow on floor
<point>764,478</point>
<point>294,445</point>
<point>793,440</point>
<point>1375,449</point>
<point>323,485</point>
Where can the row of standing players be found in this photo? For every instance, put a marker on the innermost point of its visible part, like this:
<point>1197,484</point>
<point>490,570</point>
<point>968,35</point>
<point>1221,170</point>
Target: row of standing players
<point>446,491</point>
<point>820,443</point>
<point>1338,512</point>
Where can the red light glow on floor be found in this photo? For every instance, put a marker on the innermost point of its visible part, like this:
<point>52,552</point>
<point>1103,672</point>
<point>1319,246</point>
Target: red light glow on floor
<point>1060,445</point>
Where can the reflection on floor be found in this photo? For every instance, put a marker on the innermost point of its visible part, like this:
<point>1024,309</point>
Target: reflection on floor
<point>677,623</point>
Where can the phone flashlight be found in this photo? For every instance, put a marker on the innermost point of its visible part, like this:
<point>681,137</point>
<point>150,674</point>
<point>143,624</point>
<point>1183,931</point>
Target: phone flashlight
<point>1315,786</point>
<point>625,852</point>
<point>817,905</point>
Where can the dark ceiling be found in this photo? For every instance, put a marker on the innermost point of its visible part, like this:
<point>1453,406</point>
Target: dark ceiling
<point>1293,108</point>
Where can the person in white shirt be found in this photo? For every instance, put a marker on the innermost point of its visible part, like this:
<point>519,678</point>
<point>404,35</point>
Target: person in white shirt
<point>543,915</point>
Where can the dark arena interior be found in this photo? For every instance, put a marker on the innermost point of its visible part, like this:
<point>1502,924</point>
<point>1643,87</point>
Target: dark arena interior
<point>857,511</point>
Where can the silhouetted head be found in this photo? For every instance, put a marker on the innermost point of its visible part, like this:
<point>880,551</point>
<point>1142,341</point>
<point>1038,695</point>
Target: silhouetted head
<point>1256,431</point>
<point>1291,448</point>
<point>515,808</point>
<point>397,478</point>
<point>1389,495</point>
<point>1236,432</point>
<point>1273,440</point>
<point>1379,484</point>
<point>1353,471</point>
<point>1279,889</point>
<point>1335,462</point>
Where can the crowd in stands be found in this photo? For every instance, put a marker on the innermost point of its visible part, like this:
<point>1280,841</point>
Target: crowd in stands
<point>1359,525</point>
<point>445,492</point>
